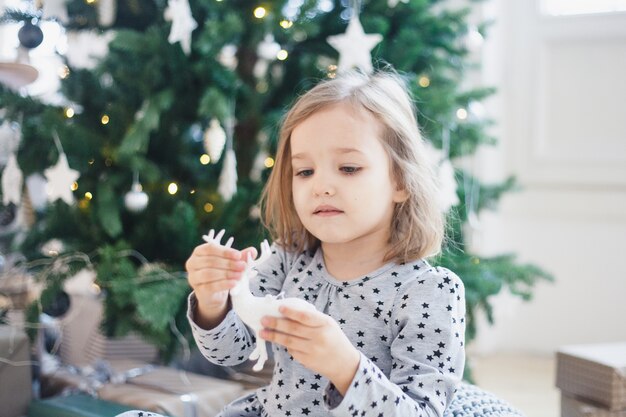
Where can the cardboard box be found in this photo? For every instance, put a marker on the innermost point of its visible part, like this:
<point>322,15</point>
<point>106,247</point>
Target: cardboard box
<point>15,372</point>
<point>574,407</point>
<point>596,373</point>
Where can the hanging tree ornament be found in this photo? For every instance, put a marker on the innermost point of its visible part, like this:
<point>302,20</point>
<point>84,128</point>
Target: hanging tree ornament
<point>107,10</point>
<point>12,180</point>
<point>214,140</point>
<point>355,46</point>
<point>179,12</point>
<point>30,35</point>
<point>227,186</point>
<point>60,177</point>
<point>55,9</point>
<point>136,200</point>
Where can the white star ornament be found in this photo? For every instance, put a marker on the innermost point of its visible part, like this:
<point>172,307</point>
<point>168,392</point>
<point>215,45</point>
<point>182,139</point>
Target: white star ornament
<point>179,12</point>
<point>60,179</point>
<point>355,47</point>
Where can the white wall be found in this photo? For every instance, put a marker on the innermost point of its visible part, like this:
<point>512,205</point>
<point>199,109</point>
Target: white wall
<point>561,111</point>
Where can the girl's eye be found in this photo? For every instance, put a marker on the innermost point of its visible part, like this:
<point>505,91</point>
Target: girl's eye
<point>304,173</point>
<point>350,170</point>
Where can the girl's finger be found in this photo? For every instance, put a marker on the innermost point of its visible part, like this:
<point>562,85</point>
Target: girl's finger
<point>287,340</point>
<point>196,263</point>
<point>306,317</point>
<point>288,326</point>
<point>210,249</point>
<point>209,275</point>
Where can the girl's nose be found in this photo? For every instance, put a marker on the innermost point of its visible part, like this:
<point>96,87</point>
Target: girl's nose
<point>323,186</point>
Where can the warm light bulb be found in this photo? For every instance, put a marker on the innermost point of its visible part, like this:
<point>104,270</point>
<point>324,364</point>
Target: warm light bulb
<point>90,1</point>
<point>286,24</point>
<point>461,114</point>
<point>260,12</point>
<point>69,112</point>
<point>208,207</point>
<point>88,195</point>
<point>63,72</point>
<point>104,119</point>
<point>269,162</point>
<point>74,186</point>
<point>424,81</point>
<point>205,159</point>
<point>91,161</point>
<point>282,55</point>
<point>172,188</point>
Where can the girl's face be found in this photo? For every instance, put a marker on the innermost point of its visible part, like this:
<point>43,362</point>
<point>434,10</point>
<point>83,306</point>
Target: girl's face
<point>342,186</point>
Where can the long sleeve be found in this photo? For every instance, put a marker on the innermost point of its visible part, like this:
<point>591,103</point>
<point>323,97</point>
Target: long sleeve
<point>230,342</point>
<point>427,325</point>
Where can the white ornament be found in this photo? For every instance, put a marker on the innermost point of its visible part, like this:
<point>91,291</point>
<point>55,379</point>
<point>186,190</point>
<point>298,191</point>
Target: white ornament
<point>106,12</point>
<point>446,179</point>
<point>86,48</point>
<point>12,180</point>
<point>473,39</point>
<point>55,9</point>
<point>258,166</point>
<point>394,3</point>
<point>214,140</point>
<point>228,178</point>
<point>36,186</point>
<point>60,179</point>
<point>53,247</point>
<point>251,309</point>
<point>136,200</point>
<point>260,68</point>
<point>82,284</point>
<point>355,47</point>
<point>10,138</point>
<point>179,12</point>
<point>228,56</point>
<point>268,48</point>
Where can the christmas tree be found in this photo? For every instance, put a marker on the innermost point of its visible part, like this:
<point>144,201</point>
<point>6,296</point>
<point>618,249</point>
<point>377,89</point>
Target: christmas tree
<point>171,133</point>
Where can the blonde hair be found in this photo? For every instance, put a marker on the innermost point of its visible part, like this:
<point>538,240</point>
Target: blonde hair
<point>417,227</point>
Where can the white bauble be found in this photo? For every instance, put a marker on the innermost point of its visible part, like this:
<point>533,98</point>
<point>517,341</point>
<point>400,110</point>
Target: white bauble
<point>136,200</point>
<point>268,48</point>
<point>106,12</point>
<point>214,140</point>
<point>228,56</point>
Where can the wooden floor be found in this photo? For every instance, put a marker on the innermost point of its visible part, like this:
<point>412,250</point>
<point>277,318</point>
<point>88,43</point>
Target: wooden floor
<point>524,380</point>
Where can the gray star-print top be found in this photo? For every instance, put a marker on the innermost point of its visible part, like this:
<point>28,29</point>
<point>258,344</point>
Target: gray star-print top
<point>407,320</point>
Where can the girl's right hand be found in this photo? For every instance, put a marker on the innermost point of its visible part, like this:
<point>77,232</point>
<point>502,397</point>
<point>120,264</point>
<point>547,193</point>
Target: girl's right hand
<point>212,270</point>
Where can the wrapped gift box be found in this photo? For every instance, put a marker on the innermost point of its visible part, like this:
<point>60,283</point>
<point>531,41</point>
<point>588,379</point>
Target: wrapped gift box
<point>594,373</point>
<point>15,375</point>
<point>147,387</point>
<point>172,392</point>
<point>574,407</point>
<point>79,405</point>
<point>82,341</point>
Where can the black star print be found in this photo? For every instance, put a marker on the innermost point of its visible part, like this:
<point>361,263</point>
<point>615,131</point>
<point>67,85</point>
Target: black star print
<point>315,386</point>
<point>306,411</point>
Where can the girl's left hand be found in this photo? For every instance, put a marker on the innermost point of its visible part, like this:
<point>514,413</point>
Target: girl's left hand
<point>316,341</point>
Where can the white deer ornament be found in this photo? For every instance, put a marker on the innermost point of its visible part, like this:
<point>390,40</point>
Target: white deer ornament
<point>251,309</point>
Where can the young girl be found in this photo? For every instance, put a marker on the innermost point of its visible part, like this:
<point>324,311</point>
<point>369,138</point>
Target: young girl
<point>351,207</point>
